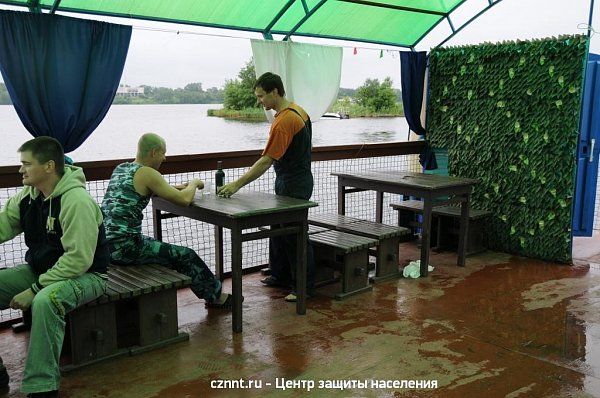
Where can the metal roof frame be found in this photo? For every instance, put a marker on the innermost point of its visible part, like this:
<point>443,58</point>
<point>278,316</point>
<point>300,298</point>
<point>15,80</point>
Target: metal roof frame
<point>269,30</point>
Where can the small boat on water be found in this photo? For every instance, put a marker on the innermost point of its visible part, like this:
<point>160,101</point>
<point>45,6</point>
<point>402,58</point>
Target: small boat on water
<point>335,115</point>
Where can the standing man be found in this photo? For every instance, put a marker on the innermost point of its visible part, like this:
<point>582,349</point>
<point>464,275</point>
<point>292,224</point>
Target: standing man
<point>67,255</point>
<point>289,151</point>
<point>129,190</point>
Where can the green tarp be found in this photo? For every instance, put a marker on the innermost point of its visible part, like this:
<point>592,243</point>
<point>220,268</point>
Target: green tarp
<point>393,22</point>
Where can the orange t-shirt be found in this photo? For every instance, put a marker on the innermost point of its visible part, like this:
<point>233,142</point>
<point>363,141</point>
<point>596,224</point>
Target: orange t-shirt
<point>286,125</point>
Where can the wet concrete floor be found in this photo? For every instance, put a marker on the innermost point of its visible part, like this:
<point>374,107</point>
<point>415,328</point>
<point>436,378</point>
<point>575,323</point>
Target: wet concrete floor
<point>503,326</point>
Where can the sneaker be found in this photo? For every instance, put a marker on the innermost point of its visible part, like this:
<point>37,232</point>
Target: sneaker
<point>3,378</point>
<point>271,281</point>
<point>292,297</point>
<point>225,305</point>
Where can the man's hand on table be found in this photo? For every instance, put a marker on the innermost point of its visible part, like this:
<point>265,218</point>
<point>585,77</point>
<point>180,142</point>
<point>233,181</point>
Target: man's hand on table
<point>228,189</point>
<point>196,181</point>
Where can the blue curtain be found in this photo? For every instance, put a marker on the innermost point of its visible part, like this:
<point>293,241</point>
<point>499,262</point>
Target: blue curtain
<point>61,73</point>
<point>413,66</point>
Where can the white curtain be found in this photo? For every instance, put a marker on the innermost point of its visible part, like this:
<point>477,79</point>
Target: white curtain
<point>310,72</point>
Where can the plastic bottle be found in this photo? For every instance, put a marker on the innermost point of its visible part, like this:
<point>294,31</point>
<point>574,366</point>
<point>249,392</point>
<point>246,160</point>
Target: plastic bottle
<point>219,176</point>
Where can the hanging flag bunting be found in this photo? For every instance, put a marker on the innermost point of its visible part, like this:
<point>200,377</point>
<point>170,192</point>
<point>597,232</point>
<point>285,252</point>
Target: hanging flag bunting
<point>355,51</point>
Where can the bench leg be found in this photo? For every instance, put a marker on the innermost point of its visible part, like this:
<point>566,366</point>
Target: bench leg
<point>476,235</point>
<point>148,321</point>
<point>355,278</point>
<point>476,242</point>
<point>446,232</point>
<point>407,219</point>
<point>92,335</point>
<point>324,260</point>
<point>387,260</point>
<point>157,317</point>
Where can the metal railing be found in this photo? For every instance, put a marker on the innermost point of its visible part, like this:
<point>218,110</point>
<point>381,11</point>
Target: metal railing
<point>199,236</point>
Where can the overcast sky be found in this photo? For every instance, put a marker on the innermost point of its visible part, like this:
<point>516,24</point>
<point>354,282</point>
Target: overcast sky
<point>166,58</point>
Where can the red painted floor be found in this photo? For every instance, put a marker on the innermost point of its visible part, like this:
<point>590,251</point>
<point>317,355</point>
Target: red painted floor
<point>502,326</point>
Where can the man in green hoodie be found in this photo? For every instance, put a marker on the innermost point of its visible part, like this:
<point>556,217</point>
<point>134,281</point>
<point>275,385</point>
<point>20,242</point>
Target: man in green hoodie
<point>66,260</point>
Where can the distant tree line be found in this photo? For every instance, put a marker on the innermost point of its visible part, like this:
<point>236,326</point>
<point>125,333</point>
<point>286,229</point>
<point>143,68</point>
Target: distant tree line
<point>192,93</point>
<point>351,92</point>
<point>238,94</point>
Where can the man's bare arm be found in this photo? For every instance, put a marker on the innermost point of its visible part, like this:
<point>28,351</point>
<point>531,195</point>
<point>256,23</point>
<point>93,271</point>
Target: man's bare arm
<point>258,168</point>
<point>155,183</point>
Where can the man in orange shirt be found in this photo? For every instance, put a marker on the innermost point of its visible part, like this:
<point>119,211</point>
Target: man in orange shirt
<point>289,151</point>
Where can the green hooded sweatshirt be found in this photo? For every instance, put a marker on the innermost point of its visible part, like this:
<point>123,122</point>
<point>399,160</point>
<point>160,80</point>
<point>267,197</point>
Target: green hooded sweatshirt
<point>64,232</point>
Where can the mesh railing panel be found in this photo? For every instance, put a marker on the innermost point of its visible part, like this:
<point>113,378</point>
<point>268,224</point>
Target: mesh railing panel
<point>200,236</point>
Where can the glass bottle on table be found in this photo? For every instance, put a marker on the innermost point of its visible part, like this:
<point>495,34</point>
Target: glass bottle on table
<point>219,176</point>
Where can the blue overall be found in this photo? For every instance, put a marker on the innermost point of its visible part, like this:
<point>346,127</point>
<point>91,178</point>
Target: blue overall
<point>293,177</point>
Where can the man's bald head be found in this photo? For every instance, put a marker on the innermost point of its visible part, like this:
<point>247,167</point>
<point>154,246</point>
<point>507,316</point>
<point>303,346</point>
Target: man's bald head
<point>148,142</point>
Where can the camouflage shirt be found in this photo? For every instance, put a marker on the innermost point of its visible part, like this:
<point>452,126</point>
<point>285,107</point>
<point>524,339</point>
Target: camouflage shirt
<point>122,206</point>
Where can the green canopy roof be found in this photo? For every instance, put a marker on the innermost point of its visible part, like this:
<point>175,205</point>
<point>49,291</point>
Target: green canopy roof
<point>391,22</point>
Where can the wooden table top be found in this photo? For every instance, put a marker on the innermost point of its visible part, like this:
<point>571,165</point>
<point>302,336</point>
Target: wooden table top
<point>409,179</point>
<point>250,203</point>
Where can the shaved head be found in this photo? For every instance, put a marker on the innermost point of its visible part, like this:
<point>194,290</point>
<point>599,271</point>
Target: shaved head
<point>148,142</point>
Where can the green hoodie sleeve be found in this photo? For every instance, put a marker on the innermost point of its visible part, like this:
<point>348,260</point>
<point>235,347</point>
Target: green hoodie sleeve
<point>79,218</point>
<point>10,223</point>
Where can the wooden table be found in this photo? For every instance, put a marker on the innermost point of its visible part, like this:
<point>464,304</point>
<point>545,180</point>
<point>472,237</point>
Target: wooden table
<point>242,211</point>
<point>435,190</point>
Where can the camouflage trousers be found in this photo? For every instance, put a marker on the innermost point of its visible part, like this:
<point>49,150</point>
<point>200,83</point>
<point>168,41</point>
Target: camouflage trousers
<point>145,250</point>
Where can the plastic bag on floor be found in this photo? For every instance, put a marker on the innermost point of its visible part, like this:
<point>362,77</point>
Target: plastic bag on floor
<point>413,269</point>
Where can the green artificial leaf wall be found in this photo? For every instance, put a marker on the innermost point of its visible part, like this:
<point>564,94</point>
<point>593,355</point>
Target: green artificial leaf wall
<point>508,114</point>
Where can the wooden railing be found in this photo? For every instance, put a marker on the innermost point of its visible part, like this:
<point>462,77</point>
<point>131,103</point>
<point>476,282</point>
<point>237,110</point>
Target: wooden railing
<point>102,169</point>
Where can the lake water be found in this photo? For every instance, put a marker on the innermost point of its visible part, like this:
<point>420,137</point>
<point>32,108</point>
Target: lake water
<point>188,130</point>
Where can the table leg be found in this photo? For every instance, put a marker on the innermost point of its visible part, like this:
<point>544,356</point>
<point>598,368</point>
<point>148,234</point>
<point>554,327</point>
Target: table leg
<point>236,279</point>
<point>219,252</point>
<point>157,224</point>
<point>464,230</point>
<point>425,236</point>
<point>301,242</point>
<point>379,207</point>
<point>341,199</point>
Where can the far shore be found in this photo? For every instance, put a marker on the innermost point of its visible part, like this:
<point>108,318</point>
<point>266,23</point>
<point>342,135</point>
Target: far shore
<point>258,115</point>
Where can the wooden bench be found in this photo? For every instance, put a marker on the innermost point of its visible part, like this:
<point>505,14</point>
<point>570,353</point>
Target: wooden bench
<point>445,224</point>
<point>346,253</point>
<point>388,236</point>
<point>138,313</point>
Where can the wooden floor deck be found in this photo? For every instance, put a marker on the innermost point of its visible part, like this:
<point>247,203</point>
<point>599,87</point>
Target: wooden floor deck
<point>502,326</point>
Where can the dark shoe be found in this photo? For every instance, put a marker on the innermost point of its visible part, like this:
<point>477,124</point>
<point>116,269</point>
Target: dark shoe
<point>225,305</point>
<point>3,378</point>
<point>47,394</point>
<point>271,281</point>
